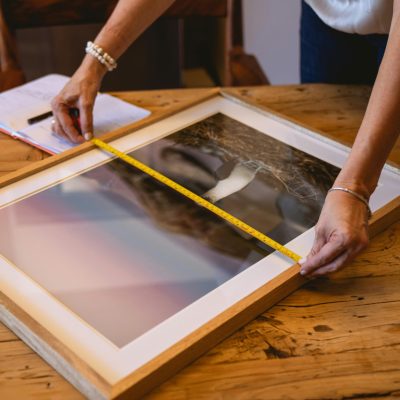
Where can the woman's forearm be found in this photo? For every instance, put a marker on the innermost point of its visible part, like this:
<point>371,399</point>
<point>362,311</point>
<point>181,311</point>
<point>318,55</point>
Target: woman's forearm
<point>381,124</point>
<point>129,19</point>
<point>127,22</point>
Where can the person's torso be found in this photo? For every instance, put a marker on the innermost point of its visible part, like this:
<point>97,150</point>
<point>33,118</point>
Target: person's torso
<point>355,16</point>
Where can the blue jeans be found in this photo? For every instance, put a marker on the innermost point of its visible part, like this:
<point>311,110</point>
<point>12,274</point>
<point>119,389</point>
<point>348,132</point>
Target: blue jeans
<point>331,56</point>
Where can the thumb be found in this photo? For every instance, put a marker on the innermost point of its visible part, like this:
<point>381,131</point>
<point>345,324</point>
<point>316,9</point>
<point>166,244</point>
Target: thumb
<point>323,252</point>
<point>319,242</point>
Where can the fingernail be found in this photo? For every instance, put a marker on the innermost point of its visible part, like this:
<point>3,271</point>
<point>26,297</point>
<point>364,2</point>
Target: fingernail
<point>303,272</point>
<point>303,260</point>
<point>87,135</point>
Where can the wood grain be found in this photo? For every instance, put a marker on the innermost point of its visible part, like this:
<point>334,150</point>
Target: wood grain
<point>336,338</point>
<point>25,375</point>
<point>73,368</point>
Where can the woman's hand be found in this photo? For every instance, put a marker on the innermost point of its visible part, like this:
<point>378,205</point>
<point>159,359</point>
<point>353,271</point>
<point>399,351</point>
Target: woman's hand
<point>128,20</point>
<point>80,93</point>
<point>340,234</point>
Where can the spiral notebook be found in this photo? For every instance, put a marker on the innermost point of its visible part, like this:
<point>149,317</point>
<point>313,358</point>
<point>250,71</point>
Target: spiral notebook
<point>32,99</point>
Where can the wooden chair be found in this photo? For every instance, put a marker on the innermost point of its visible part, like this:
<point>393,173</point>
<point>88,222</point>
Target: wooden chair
<point>10,72</point>
<point>231,65</point>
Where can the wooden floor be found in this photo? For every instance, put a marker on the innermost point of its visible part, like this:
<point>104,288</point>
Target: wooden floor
<point>331,339</point>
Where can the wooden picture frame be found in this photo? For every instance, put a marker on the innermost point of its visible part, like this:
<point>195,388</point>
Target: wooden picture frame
<point>20,314</point>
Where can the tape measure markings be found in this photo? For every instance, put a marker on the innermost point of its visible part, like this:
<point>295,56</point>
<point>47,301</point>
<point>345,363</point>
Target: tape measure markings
<point>197,199</point>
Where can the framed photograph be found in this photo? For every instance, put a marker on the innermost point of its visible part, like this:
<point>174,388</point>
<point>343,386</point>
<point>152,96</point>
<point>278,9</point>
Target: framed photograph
<point>118,281</point>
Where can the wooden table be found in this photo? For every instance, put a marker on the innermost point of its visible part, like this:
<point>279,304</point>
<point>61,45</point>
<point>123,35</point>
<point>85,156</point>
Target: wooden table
<point>331,339</point>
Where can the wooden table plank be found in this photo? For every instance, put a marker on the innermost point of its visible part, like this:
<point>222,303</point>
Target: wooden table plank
<point>336,338</point>
<point>336,110</point>
<point>344,376</point>
<point>15,154</point>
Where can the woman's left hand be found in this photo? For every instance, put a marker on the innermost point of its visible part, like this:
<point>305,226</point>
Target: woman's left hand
<point>340,234</point>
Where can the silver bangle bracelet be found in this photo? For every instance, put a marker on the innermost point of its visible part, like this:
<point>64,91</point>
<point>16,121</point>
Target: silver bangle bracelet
<point>355,194</point>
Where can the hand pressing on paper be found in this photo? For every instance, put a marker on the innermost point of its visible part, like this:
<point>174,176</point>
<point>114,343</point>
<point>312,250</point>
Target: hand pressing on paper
<point>126,23</point>
<point>340,234</point>
<point>79,93</point>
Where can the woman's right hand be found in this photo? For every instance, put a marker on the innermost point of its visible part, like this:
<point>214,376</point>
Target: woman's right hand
<point>79,93</point>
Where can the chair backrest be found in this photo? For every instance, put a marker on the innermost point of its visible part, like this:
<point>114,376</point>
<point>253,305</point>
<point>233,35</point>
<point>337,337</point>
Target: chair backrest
<point>10,72</point>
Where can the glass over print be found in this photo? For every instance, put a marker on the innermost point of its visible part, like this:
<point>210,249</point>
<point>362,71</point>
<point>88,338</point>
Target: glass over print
<point>124,252</point>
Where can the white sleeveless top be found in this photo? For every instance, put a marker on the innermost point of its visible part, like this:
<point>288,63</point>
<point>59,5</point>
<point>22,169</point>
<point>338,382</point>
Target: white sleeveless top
<point>355,16</point>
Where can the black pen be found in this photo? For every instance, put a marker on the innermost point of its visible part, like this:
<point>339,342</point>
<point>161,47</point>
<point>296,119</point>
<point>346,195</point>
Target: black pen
<point>75,115</point>
<point>40,117</point>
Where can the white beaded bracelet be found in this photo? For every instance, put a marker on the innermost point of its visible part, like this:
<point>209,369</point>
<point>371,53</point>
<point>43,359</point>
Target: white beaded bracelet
<point>104,58</point>
<point>355,194</point>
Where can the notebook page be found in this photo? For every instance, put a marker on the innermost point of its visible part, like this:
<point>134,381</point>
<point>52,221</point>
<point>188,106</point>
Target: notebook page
<point>19,104</point>
<point>109,114</point>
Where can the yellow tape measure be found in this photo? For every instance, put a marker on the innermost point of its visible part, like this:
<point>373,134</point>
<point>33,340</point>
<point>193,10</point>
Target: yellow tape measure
<point>197,199</point>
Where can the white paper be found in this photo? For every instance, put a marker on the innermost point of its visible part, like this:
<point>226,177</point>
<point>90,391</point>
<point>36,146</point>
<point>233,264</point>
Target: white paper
<point>32,99</point>
<point>19,104</point>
